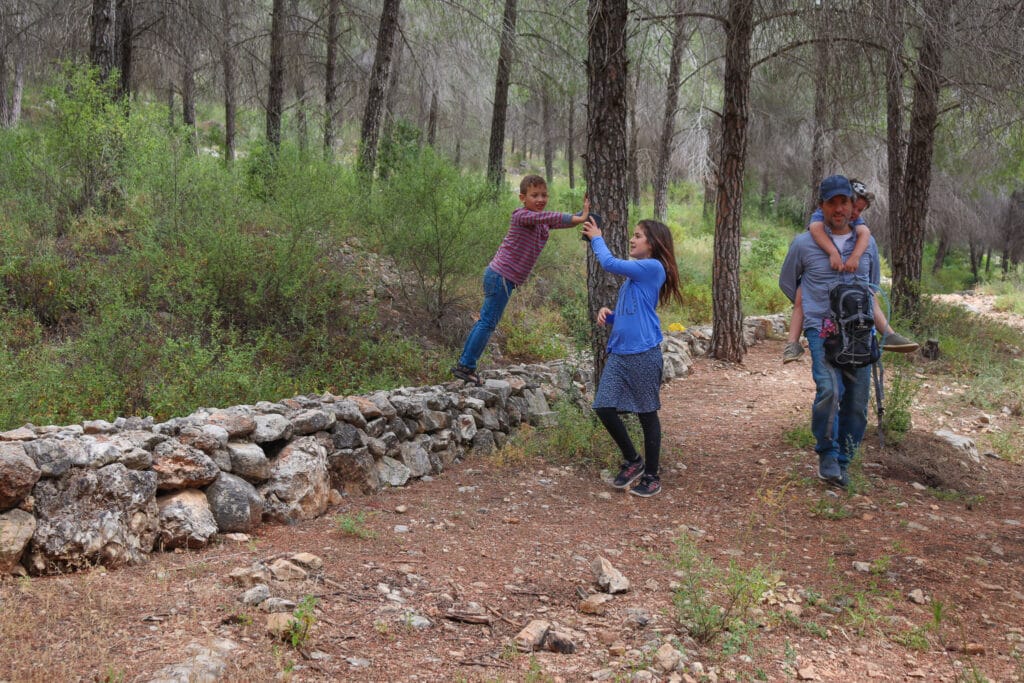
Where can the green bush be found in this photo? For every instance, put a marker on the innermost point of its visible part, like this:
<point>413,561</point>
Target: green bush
<point>439,225</point>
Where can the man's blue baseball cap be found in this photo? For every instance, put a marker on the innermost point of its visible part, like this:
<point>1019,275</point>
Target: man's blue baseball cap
<point>834,185</point>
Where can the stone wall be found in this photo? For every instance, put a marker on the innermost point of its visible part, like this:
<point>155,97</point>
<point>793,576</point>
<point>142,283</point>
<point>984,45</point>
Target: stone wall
<point>111,493</point>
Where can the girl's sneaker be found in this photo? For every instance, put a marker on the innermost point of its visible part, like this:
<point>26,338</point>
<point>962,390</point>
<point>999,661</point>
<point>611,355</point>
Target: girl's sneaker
<point>792,352</point>
<point>467,375</point>
<point>649,485</point>
<point>628,473</point>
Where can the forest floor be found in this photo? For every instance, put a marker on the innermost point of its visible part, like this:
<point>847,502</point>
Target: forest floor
<point>917,576</point>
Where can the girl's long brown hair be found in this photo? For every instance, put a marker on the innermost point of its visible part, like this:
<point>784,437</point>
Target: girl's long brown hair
<point>660,239</point>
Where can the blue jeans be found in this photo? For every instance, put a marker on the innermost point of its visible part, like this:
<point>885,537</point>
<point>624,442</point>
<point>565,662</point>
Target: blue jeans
<point>840,411</point>
<point>497,290</point>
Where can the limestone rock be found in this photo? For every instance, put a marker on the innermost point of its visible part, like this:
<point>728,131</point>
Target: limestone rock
<point>185,520</point>
<point>608,577</point>
<point>299,485</point>
<point>18,474</point>
<point>16,529</point>
<point>178,466</point>
<point>106,516</point>
<point>249,461</point>
<point>235,504</point>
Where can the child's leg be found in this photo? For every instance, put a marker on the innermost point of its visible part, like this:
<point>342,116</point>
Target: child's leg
<point>497,291</point>
<point>881,323</point>
<point>652,442</point>
<point>796,323</point>
<point>617,429</point>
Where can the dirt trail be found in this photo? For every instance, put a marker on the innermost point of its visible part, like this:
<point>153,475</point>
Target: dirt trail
<point>519,541</point>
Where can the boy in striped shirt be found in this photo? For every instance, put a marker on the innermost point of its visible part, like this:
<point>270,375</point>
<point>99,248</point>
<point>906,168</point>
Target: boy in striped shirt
<point>527,234</point>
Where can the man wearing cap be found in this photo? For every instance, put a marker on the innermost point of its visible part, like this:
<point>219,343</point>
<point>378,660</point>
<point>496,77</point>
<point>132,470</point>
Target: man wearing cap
<point>840,411</point>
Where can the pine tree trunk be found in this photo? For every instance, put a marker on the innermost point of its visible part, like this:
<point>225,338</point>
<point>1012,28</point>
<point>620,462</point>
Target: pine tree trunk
<point>496,148</point>
<point>549,143</point>
<point>894,116</point>
<point>299,76</point>
<point>606,153</point>
<point>821,76</point>
<point>940,252</point>
<point>123,46</point>
<point>908,242</point>
<point>668,123</point>
<point>275,87</point>
<point>633,150</point>
<point>103,37</point>
<point>727,336</point>
<point>227,61</point>
<point>432,120</point>
<point>570,153</point>
<point>370,133</point>
<point>330,77</point>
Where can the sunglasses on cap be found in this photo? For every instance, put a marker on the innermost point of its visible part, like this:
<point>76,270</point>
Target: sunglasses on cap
<point>859,188</point>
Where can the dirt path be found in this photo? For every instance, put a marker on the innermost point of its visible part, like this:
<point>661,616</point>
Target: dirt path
<point>519,542</point>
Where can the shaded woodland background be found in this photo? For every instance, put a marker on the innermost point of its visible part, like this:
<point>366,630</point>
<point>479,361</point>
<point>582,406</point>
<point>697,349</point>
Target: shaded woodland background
<point>242,132</point>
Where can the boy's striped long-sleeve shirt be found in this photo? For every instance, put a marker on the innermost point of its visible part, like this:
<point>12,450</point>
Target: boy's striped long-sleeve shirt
<point>527,234</point>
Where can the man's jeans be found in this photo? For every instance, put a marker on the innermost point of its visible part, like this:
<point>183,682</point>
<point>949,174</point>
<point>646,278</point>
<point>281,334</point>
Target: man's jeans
<point>497,290</point>
<point>840,411</point>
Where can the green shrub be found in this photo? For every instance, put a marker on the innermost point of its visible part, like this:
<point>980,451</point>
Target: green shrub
<point>440,226</point>
<point>896,419</point>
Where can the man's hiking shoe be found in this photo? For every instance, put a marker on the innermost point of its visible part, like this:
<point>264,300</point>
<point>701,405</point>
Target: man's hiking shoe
<point>628,473</point>
<point>844,477</point>
<point>829,470</point>
<point>649,486</point>
<point>894,341</point>
<point>467,374</point>
<point>792,352</point>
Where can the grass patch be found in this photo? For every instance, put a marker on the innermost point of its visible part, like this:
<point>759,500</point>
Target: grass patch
<point>353,525</point>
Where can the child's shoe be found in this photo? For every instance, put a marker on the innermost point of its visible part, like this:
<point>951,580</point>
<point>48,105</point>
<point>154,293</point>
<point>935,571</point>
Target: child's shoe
<point>792,352</point>
<point>649,486</point>
<point>894,341</point>
<point>468,375</point>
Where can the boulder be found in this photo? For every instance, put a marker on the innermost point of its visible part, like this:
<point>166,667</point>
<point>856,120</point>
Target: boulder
<point>179,466</point>
<point>185,520</point>
<point>16,529</point>
<point>299,485</point>
<point>18,474</point>
<point>249,461</point>
<point>106,516</point>
<point>235,504</point>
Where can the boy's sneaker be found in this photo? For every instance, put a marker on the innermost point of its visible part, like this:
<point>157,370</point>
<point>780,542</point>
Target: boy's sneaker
<point>792,352</point>
<point>829,470</point>
<point>894,341</point>
<point>466,374</point>
<point>628,473</point>
<point>649,485</point>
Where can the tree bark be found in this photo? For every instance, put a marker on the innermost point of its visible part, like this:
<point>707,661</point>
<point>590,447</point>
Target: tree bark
<point>606,153</point>
<point>275,86</point>
<point>908,242</point>
<point>821,76</point>
<point>125,10</point>
<point>496,148</point>
<point>940,252</point>
<point>545,123</point>
<point>103,39</point>
<point>727,326</point>
<point>227,62</point>
<point>432,119</point>
<point>370,134</point>
<point>894,115</point>
<point>633,149</point>
<point>668,123</point>
<point>298,42</point>
<point>570,153</point>
<point>330,76</point>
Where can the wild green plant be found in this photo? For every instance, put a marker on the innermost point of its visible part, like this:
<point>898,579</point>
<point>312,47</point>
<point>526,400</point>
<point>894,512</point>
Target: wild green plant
<point>353,525</point>
<point>303,619</point>
<point>799,437</point>
<point>440,225</point>
<point>833,509</point>
<point>1008,443</point>
<point>897,419</point>
<point>711,601</point>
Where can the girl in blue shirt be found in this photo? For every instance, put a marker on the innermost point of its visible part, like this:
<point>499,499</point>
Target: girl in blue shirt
<point>631,380</point>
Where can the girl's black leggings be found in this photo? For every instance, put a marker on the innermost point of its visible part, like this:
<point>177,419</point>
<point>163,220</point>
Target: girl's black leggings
<point>652,436</point>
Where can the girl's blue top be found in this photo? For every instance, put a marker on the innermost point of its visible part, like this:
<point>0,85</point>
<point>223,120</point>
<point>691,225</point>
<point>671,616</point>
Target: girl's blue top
<point>637,327</point>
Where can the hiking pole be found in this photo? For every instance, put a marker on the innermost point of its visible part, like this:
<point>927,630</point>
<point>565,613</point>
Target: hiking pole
<point>878,376</point>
